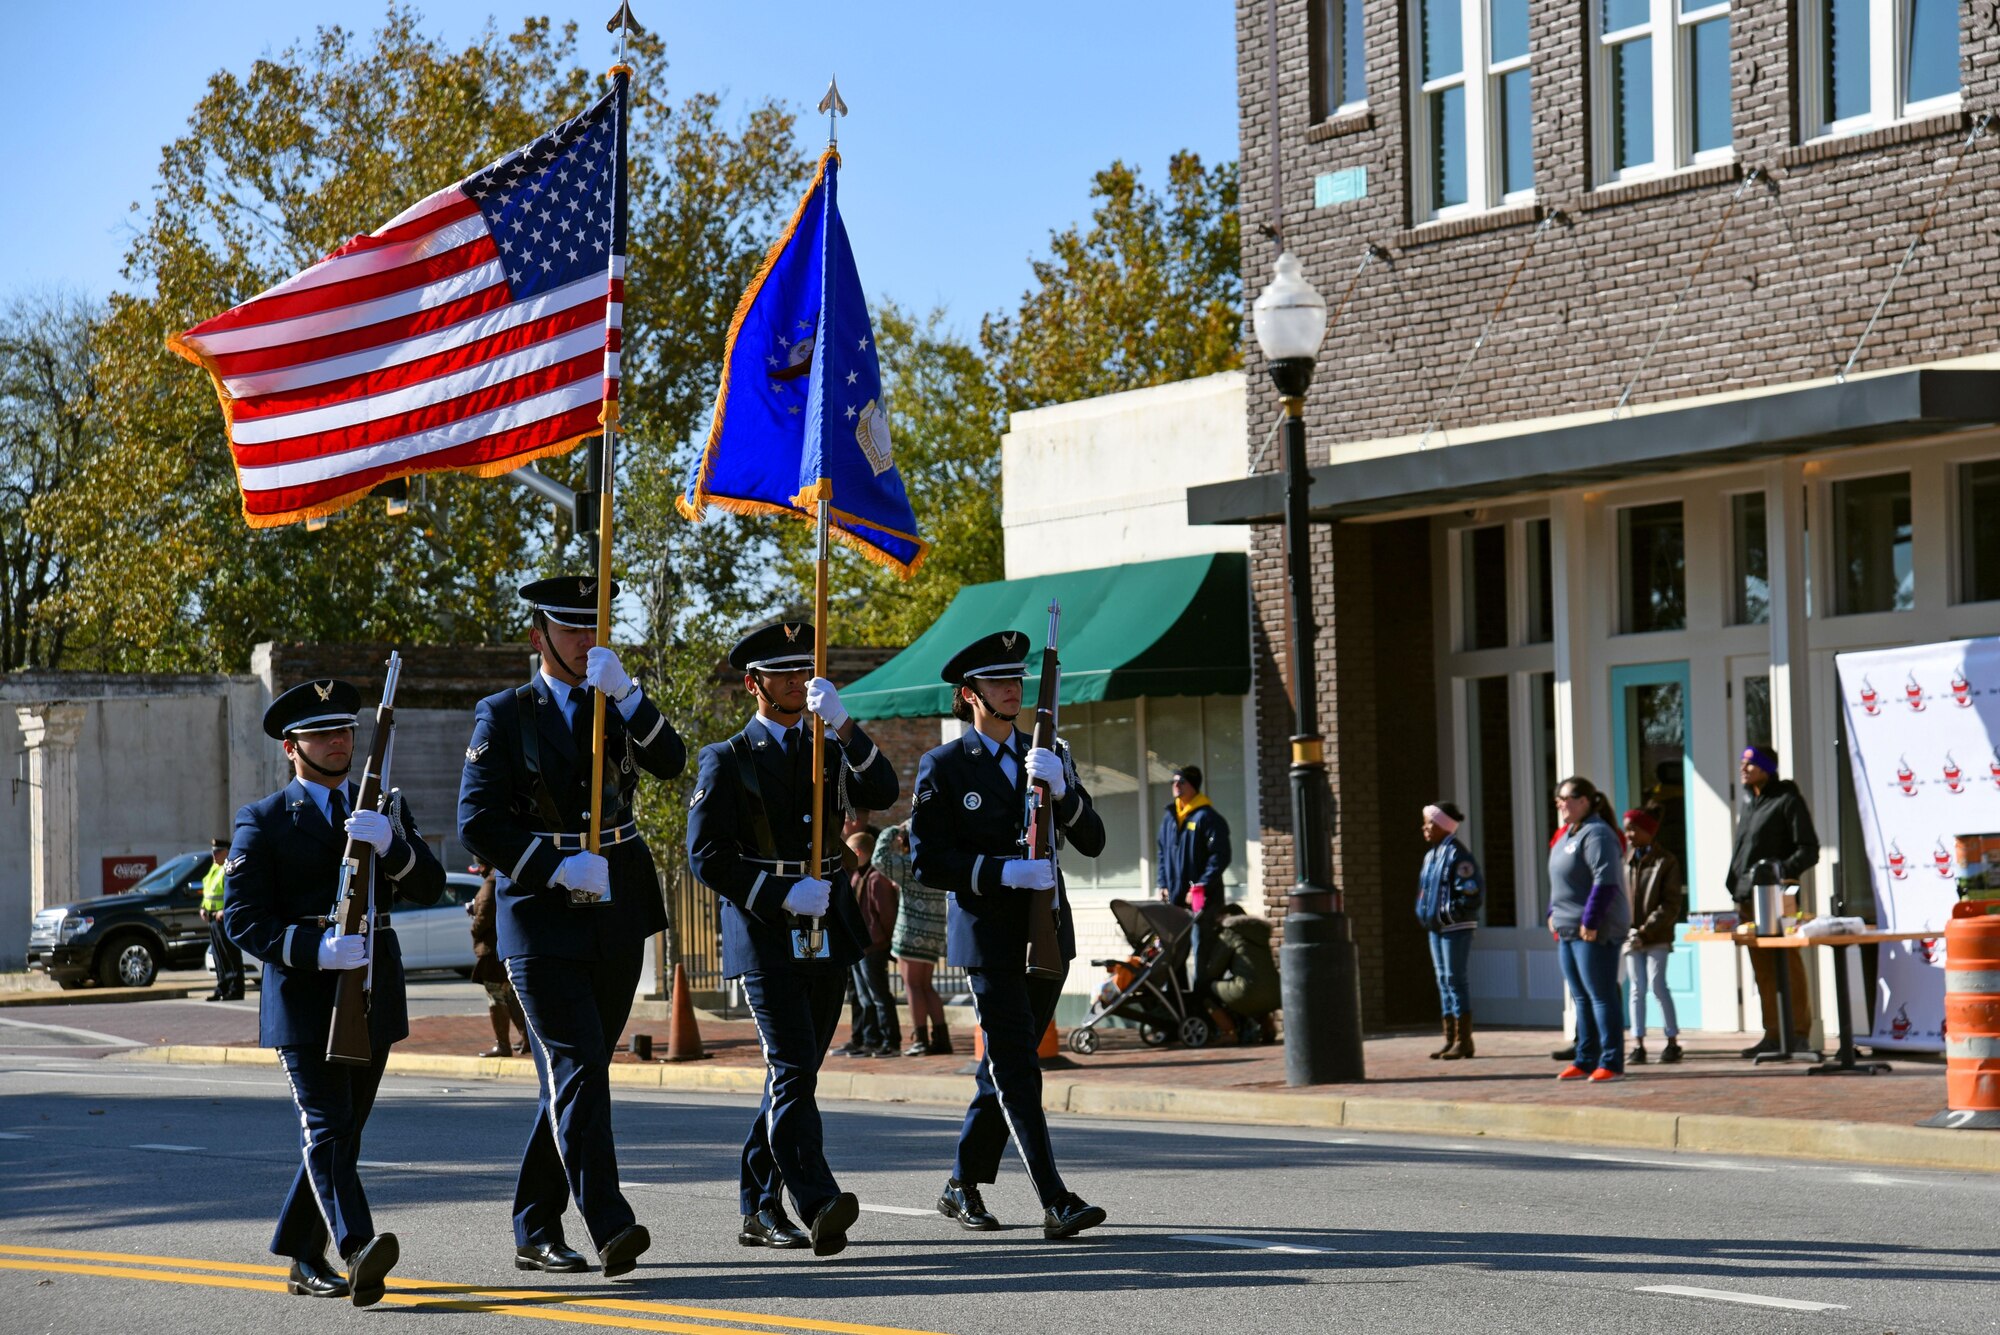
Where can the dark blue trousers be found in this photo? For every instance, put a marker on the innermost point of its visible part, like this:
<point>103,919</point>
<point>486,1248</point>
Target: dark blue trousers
<point>326,1201</point>
<point>575,1010</point>
<point>1014,1011</point>
<point>796,1013</point>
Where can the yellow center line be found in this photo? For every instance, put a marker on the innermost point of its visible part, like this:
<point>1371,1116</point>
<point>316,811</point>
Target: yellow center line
<point>430,1294</point>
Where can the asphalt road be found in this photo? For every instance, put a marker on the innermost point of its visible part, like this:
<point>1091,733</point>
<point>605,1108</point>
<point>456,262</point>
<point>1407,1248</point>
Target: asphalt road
<point>140,1199</point>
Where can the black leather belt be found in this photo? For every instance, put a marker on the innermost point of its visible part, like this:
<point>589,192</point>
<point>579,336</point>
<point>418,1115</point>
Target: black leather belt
<point>576,843</point>
<point>829,864</point>
<point>323,922</point>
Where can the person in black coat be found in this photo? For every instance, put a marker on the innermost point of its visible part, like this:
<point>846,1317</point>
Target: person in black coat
<point>789,931</point>
<point>1193,848</point>
<point>967,837</point>
<point>1775,826</point>
<point>282,879</point>
<point>571,924</point>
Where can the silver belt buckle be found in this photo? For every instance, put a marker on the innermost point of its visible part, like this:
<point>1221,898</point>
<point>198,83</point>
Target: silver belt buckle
<point>577,897</point>
<point>809,942</point>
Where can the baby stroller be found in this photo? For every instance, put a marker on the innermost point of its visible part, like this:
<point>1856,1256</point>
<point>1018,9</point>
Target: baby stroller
<point>1147,986</point>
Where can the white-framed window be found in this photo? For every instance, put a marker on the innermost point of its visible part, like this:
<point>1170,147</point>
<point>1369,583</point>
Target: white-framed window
<point>1339,66</point>
<point>1473,147</point>
<point>1660,74</point>
<point>1870,63</point>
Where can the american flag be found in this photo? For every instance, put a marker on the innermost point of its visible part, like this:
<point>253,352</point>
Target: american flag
<point>474,332</point>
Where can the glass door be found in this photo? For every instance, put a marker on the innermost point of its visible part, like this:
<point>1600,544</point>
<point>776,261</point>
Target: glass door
<point>1652,769</point>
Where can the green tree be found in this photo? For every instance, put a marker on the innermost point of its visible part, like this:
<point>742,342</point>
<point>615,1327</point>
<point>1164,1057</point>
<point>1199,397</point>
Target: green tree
<point>1149,293</point>
<point>51,426</point>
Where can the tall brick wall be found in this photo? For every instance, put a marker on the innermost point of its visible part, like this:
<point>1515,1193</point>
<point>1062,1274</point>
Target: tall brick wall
<point>1783,296</point>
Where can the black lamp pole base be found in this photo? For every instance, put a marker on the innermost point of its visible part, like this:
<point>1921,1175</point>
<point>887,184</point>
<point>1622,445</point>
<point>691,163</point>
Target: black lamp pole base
<point>1319,970</point>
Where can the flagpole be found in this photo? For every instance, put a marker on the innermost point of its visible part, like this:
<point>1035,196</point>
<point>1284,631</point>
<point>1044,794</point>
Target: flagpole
<point>621,75</point>
<point>819,726</point>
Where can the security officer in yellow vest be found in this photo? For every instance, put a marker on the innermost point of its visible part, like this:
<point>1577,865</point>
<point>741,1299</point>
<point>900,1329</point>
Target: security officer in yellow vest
<point>966,837</point>
<point>228,959</point>
<point>571,925</point>
<point>282,879</point>
<point>749,837</point>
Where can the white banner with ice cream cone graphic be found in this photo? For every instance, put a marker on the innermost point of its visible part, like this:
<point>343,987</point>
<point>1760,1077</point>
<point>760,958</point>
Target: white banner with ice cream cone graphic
<point>1923,723</point>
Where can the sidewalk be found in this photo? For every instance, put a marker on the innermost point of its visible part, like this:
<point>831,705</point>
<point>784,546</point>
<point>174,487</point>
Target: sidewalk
<point>1714,1102</point>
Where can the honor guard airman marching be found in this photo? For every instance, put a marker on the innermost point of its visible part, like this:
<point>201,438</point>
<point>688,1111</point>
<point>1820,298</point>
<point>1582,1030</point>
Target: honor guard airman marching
<point>572,924</point>
<point>281,881</point>
<point>790,931</point>
<point>966,838</point>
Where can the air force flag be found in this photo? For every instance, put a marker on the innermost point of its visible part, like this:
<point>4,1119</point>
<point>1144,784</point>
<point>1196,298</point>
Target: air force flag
<point>800,414</point>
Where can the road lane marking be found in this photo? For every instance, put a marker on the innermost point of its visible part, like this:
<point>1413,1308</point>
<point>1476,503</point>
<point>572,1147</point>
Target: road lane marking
<point>1721,1165</point>
<point>377,1163</point>
<point>84,1037</point>
<point>437,1294</point>
<point>1753,1299</point>
<point>171,1149</point>
<point>1254,1244</point>
<point>14,1135</point>
<point>897,1209</point>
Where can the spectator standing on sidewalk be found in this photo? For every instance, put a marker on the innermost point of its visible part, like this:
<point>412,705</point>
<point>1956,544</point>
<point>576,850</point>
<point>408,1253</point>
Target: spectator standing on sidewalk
<point>228,959</point>
<point>1590,915</point>
<point>502,1006</point>
<point>876,894</point>
<point>1658,893</point>
<point>1774,826</point>
<point>918,943</point>
<point>1449,889</point>
<point>1193,854</point>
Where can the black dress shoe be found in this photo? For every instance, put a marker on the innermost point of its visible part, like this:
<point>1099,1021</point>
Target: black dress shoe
<point>960,1201</point>
<point>1567,1054</point>
<point>1763,1045</point>
<point>314,1278</point>
<point>214,996</point>
<point>770,1228</point>
<point>621,1254</point>
<point>1070,1218</point>
<point>552,1256</point>
<point>830,1225</point>
<point>368,1269</point>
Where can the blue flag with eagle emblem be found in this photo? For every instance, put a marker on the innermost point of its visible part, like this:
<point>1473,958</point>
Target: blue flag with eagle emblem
<point>800,414</point>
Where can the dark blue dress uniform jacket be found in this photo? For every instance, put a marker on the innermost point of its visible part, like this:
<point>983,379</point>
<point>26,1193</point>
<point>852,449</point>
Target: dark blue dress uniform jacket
<point>282,875</point>
<point>501,820</point>
<point>756,932</point>
<point>967,821</point>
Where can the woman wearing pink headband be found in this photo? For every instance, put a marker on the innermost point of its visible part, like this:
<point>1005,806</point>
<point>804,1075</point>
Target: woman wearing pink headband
<point>1449,889</point>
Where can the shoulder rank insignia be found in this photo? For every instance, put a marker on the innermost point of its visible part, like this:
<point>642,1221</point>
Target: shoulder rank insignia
<point>234,865</point>
<point>699,793</point>
<point>472,753</point>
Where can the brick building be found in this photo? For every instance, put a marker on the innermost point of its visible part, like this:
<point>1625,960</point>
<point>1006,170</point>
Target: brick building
<point>1520,211</point>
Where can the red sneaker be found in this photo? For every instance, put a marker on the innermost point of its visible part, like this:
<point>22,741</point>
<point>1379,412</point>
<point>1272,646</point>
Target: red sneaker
<point>1572,1072</point>
<point>1601,1076</point>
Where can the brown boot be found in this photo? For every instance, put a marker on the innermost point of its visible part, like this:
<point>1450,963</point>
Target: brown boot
<point>1462,1049</point>
<point>500,1048</point>
<point>1450,1036</point>
<point>940,1040</point>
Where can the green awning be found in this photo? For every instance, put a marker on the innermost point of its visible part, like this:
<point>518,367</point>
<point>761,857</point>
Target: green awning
<point>1174,627</point>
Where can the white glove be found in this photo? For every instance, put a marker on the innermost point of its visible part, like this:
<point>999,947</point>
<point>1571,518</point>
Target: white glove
<point>584,871</point>
<point>371,827</point>
<point>809,897</point>
<point>1047,766</point>
<point>342,952</point>
<point>823,700</point>
<point>1028,873</point>
<point>603,672</point>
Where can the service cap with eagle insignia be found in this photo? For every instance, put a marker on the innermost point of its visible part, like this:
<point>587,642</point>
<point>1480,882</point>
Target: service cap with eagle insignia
<point>782,646</point>
<point>567,600</point>
<point>1003,654</point>
<point>326,705</point>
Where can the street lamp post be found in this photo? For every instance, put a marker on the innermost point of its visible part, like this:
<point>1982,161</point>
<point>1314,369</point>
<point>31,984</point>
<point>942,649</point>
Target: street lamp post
<point>1318,964</point>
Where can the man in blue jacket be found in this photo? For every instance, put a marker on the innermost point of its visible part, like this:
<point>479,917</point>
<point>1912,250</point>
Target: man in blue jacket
<point>571,925</point>
<point>280,885</point>
<point>1193,854</point>
<point>966,838</point>
<point>749,838</point>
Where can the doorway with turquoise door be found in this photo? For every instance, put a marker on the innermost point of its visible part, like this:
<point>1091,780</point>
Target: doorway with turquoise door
<point>1652,768</point>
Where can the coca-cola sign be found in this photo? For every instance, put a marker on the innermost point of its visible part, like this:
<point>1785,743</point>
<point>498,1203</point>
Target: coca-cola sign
<point>123,872</point>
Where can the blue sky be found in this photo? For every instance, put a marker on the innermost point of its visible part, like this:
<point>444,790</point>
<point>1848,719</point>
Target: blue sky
<point>973,134</point>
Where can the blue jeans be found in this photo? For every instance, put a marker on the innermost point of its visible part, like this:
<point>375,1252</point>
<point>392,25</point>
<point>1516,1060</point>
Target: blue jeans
<point>1591,970</point>
<point>1449,953</point>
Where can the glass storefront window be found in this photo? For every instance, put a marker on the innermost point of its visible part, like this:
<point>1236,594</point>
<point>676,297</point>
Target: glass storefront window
<point>1652,564</point>
<point>1751,553</point>
<point>1489,807</point>
<point>1979,531</point>
<point>1873,569</point>
<point>1542,734</point>
<point>1483,587</point>
<point>1541,583</point>
<point>1103,739</point>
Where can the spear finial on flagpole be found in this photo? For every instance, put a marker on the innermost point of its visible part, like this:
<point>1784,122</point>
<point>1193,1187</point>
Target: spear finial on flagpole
<point>834,107</point>
<point>622,23</point>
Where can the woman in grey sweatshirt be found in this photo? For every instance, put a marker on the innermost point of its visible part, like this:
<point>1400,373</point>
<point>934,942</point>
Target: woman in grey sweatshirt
<point>1590,915</point>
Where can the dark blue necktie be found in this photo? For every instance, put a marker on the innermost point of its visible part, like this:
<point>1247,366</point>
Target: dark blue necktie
<point>336,806</point>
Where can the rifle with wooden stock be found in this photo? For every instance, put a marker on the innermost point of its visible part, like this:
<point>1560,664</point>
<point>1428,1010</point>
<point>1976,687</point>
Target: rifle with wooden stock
<point>354,906</point>
<point>1044,946</point>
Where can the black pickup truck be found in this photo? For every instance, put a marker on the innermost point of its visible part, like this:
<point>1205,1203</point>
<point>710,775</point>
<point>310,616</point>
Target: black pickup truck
<point>125,940</point>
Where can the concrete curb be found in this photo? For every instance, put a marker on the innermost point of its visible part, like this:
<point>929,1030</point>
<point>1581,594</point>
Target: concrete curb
<point>102,996</point>
<point>1877,1144</point>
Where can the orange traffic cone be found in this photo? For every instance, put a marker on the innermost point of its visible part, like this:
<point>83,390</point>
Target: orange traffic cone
<point>1049,1056</point>
<point>683,1034</point>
